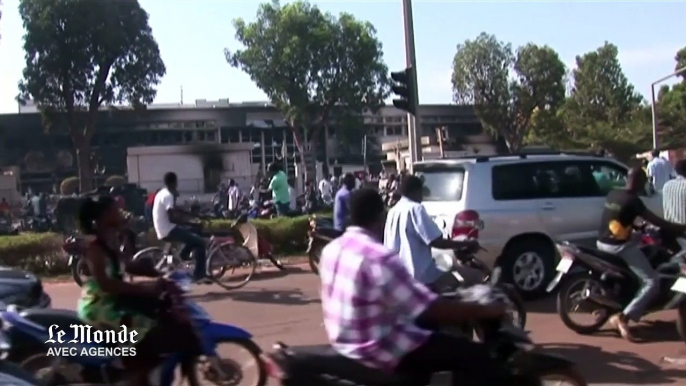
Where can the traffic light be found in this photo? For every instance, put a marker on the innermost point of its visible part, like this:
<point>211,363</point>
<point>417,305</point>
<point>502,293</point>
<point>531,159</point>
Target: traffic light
<point>404,88</point>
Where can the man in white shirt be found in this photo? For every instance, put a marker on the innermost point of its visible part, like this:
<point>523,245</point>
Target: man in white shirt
<point>659,170</point>
<point>233,198</point>
<point>412,233</point>
<point>167,218</point>
<point>325,190</point>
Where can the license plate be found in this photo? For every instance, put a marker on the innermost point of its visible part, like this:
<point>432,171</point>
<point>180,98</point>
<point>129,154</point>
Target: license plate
<point>565,264</point>
<point>680,285</point>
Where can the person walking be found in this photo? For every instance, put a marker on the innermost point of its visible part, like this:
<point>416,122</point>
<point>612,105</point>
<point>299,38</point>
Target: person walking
<point>341,204</point>
<point>233,196</point>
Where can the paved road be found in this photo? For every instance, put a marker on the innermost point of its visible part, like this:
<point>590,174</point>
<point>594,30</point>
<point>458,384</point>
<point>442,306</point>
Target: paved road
<point>285,306</point>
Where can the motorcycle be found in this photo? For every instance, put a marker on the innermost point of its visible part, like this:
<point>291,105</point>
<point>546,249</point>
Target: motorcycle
<point>466,257</point>
<point>323,366</point>
<point>75,249</point>
<point>321,233</point>
<point>10,373</point>
<point>29,329</point>
<point>603,283</point>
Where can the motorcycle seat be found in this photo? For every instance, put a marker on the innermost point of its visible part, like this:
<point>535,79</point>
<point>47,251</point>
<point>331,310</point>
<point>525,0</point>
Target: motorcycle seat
<point>47,317</point>
<point>324,361</point>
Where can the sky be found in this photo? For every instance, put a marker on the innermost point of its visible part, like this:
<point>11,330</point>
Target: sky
<point>192,35</point>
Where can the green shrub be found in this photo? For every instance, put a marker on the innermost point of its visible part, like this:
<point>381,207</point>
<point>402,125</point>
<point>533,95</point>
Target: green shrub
<point>41,253</point>
<point>69,185</point>
<point>115,181</point>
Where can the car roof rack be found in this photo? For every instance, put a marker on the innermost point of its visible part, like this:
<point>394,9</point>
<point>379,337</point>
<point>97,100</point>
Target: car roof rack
<point>486,158</point>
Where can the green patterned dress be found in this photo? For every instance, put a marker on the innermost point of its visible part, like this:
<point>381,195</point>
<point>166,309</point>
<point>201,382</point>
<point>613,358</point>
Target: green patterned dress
<point>100,309</point>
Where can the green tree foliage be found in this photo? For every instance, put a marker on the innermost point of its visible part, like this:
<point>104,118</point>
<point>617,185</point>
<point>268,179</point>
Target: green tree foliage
<point>83,54</point>
<point>671,108</point>
<point>313,66</point>
<point>505,87</point>
<point>681,62</point>
<point>604,111</point>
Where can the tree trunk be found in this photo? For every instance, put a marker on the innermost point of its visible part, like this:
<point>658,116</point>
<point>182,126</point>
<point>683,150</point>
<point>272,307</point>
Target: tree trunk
<point>307,150</point>
<point>85,165</point>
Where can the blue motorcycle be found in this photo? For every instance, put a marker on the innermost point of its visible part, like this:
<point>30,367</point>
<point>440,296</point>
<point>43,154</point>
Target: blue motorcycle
<point>29,331</point>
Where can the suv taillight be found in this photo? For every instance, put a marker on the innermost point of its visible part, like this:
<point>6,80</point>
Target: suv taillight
<point>466,224</point>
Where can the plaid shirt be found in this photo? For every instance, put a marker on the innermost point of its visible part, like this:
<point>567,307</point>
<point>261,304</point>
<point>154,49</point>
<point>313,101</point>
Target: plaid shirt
<point>370,301</point>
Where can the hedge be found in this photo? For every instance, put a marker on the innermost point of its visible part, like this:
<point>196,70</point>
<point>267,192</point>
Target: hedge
<point>41,253</point>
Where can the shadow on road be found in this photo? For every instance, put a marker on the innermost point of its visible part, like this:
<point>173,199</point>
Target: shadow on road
<point>652,331</point>
<point>281,296</point>
<point>620,368</point>
<point>275,274</point>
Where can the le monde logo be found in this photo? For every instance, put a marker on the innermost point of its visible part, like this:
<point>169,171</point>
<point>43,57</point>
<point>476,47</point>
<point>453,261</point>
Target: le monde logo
<point>90,341</point>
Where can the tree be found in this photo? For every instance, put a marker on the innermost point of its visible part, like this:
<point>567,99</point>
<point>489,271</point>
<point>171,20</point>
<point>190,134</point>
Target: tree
<point>681,62</point>
<point>83,54</point>
<point>604,111</point>
<point>506,88</point>
<point>315,68</point>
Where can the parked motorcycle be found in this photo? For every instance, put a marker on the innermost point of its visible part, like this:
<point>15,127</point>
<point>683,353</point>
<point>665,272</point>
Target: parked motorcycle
<point>323,366</point>
<point>603,284</point>
<point>321,233</point>
<point>29,329</point>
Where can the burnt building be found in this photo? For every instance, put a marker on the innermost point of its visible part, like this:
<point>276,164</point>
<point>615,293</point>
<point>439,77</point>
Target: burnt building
<point>45,156</point>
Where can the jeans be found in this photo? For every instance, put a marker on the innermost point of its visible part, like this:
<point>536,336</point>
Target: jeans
<point>282,209</point>
<point>640,266</point>
<point>470,362</point>
<point>192,242</point>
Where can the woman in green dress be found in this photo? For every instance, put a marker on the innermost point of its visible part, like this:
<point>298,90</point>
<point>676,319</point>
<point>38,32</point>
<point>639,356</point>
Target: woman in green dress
<point>109,302</point>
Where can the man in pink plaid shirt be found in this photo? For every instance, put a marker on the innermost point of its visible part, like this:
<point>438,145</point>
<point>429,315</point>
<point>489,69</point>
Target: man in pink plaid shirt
<point>371,304</point>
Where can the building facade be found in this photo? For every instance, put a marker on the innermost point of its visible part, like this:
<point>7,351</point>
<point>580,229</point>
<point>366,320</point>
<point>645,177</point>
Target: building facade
<point>44,154</point>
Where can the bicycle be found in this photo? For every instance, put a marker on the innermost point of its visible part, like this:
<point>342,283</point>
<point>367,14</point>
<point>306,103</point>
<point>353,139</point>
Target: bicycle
<point>222,254</point>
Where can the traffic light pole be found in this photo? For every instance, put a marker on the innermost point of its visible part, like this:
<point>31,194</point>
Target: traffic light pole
<point>414,131</point>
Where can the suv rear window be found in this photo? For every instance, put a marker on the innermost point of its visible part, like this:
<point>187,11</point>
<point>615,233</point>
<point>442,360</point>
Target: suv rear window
<point>441,183</point>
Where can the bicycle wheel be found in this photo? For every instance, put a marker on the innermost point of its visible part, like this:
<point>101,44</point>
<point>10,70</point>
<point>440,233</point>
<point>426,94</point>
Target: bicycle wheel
<point>233,259</point>
<point>157,258</point>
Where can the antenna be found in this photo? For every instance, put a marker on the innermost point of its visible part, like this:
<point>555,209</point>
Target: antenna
<point>181,95</point>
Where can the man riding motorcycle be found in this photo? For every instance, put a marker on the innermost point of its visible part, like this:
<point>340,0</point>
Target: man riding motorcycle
<point>411,233</point>
<point>371,305</point>
<point>615,236</point>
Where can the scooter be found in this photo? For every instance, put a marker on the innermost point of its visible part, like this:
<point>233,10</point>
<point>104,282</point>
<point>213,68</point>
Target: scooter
<point>322,366</point>
<point>30,330</point>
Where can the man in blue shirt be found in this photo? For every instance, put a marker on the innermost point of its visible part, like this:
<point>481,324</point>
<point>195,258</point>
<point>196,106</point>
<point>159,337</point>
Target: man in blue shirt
<point>341,204</point>
<point>411,232</point>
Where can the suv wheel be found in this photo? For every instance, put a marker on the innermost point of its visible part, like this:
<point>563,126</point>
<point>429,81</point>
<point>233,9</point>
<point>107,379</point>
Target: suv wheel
<point>529,265</point>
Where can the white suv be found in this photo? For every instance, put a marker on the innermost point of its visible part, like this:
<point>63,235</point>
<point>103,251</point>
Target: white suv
<point>518,205</point>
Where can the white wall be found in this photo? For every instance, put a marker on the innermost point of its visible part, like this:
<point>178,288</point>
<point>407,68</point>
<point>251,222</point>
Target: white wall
<point>147,166</point>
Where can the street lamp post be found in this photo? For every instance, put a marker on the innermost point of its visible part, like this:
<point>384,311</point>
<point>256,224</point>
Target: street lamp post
<point>653,106</point>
